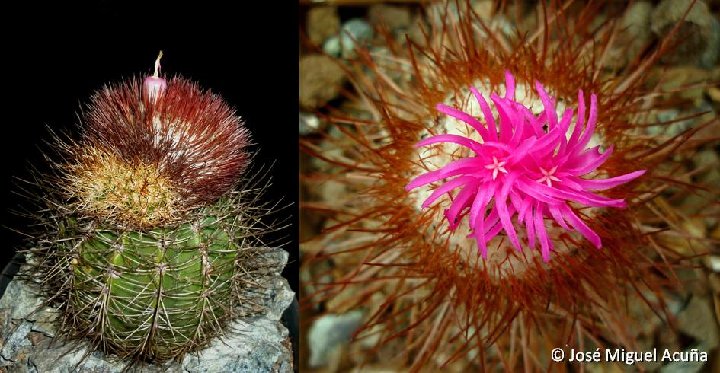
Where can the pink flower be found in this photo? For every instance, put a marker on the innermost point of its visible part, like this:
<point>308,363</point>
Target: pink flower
<point>522,168</point>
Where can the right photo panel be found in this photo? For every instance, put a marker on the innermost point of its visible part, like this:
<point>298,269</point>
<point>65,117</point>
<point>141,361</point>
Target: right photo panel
<point>509,186</point>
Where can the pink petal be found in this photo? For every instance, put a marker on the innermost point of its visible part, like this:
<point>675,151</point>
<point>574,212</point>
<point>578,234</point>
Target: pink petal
<point>518,124</point>
<point>480,203</point>
<point>580,226</point>
<point>580,121</point>
<point>482,246</point>
<point>579,159</point>
<point>533,121</point>
<point>503,213</point>
<point>488,229</point>
<point>521,205</point>
<point>590,129</point>
<point>489,118</point>
<point>498,145</point>
<point>515,202</point>
<point>522,150</point>
<point>567,183</point>
<point>451,169</point>
<point>483,238</point>
<point>530,227</point>
<point>492,221</point>
<point>586,198</point>
<point>450,185</point>
<point>531,188</point>
<point>515,120</point>
<point>565,121</point>
<point>564,125</point>
<point>509,85</point>
<point>493,232</point>
<point>591,160</point>
<point>557,215</point>
<point>548,105</point>
<point>493,229</point>
<point>603,184</point>
<point>547,143</point>
<point>465,117</point>
<point>455,139</point>
<point>545,244</point>
<point>507,119</point>
<point>478,228</point>
<point>459,204</point>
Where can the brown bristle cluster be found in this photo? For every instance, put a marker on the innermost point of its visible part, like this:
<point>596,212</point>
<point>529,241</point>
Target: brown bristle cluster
<point>142,161</point>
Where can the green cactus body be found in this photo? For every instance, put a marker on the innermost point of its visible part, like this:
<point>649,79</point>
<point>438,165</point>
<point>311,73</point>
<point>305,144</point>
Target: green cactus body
<point>150,245</point>
<point>159,287</point>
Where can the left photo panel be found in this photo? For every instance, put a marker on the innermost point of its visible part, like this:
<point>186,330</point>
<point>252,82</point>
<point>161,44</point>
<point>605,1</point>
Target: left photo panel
<point>150,189</point>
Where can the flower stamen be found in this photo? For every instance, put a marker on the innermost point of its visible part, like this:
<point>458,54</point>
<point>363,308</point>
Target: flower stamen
<point>548,176</point>
<point>496,167</point>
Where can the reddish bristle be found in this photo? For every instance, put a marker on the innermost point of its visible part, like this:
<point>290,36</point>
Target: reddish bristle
<point>192,136</point>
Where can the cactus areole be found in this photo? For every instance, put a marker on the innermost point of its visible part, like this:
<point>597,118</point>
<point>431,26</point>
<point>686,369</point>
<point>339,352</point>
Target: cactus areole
<point>150,238</point>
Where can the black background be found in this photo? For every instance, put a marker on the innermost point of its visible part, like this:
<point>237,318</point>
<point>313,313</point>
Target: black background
<point>55,55</point>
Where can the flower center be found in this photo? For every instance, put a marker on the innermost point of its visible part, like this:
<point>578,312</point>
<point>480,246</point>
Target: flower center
<point>496,167</point>
<point>548,177</point>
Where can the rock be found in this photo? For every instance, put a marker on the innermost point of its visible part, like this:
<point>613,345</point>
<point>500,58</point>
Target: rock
<point>714,94</point>
<point>415,31</point>
<point>394,17</point>
<point>485,9</point>
<point>334,47</point>
<point>695,227</point>
<point>439,13</point>
<point>697,320</point>
<point>686,82</point>
<point>16,341</point>
<point>359,29</point>
<point>255,344</point>
<point>19,300</point>
<point>672,128</point>
<point>355,32</point>
<point>633,34</point>
<point>707,158</point>
<point>710,57</point>
<point>320,81</point>
<point>329,332</point>
<point>309,123</point>
<point>400,73</point>
<point>709,161</point>
<point>713,263</point>
<point>335,193</point>
<point>699,31</point>
<point>45,322</point>
<point>715,234</point>
<point>322,23</point>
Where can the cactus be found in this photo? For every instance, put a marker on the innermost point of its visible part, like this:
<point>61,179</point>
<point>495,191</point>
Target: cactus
<point>149,240</point>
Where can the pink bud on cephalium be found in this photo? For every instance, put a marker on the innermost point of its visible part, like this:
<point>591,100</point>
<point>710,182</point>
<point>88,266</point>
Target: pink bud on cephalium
<point>154,85</point>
